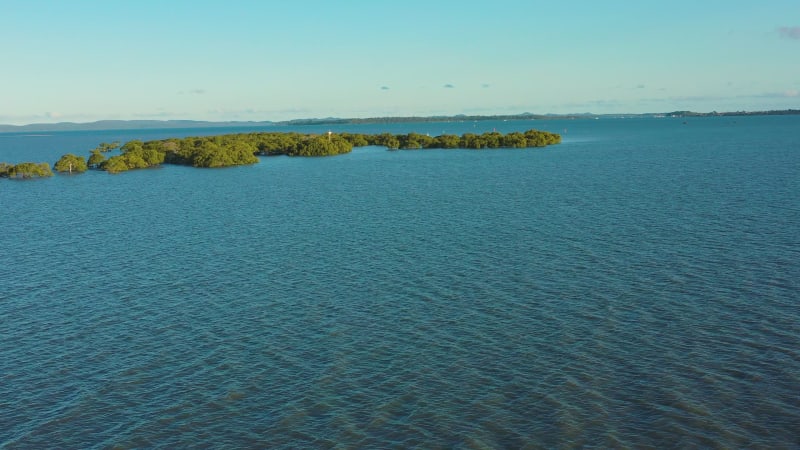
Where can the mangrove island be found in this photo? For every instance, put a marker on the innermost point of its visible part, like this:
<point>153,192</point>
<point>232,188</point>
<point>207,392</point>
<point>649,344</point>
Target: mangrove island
<point>245,148</point>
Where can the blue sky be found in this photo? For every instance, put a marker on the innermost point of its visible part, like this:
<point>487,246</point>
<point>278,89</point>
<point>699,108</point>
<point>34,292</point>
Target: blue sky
<point>83,60</point>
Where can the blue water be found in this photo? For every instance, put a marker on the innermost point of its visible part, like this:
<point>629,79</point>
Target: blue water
<point>635,286</point>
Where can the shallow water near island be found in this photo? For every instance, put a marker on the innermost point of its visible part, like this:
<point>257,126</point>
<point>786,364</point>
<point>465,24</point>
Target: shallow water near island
<point>636,285</point>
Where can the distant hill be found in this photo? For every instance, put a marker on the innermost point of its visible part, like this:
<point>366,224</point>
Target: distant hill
<point>127,125</point>
<point>164,124</point>
<point>782,112</point>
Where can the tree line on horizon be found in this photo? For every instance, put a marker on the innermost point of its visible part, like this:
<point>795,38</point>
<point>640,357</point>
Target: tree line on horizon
<point>244,148</point>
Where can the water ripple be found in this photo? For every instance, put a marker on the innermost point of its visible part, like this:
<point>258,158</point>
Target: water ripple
<point>607,294</point>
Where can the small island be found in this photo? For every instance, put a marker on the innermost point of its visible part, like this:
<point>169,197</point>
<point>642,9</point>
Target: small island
<point>245,148</point>
<point>25,170</point>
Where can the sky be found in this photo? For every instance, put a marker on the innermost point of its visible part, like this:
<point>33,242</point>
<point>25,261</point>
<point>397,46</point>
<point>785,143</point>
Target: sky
<point>83,60</point>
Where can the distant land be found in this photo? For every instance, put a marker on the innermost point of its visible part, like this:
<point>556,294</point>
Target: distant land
<point>168,124</point>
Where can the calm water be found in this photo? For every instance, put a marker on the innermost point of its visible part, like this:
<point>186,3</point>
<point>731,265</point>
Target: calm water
<point>635,286</point>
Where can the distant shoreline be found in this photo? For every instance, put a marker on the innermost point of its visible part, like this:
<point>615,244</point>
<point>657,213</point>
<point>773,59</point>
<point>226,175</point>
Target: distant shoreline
<point>108,125</point>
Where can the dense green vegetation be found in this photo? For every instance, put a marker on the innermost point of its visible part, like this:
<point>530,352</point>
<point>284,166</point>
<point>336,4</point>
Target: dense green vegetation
<point>96,159</point>
<point>106,147</point>
<point>240,149</point>
<point>133,155</point>
<point>71,164</point>
<point>530,138</point>
<point>25,170</point>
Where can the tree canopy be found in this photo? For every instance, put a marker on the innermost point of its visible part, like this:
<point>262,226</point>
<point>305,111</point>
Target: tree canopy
<point>96,159</point>
<point>25,170</point>
<point>105,147</point>
<point>244,148</point>
<point>71,163</point>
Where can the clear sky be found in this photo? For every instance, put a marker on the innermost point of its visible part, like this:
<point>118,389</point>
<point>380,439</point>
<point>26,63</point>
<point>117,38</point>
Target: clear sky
<point>81,60</point>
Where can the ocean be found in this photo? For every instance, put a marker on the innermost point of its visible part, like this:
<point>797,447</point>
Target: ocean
<point>635,286</point>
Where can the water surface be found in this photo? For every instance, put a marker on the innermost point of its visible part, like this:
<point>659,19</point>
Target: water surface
<point>635,286</point>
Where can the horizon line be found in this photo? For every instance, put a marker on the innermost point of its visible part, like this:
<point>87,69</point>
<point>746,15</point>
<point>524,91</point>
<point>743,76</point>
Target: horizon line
<point>324,120</point>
